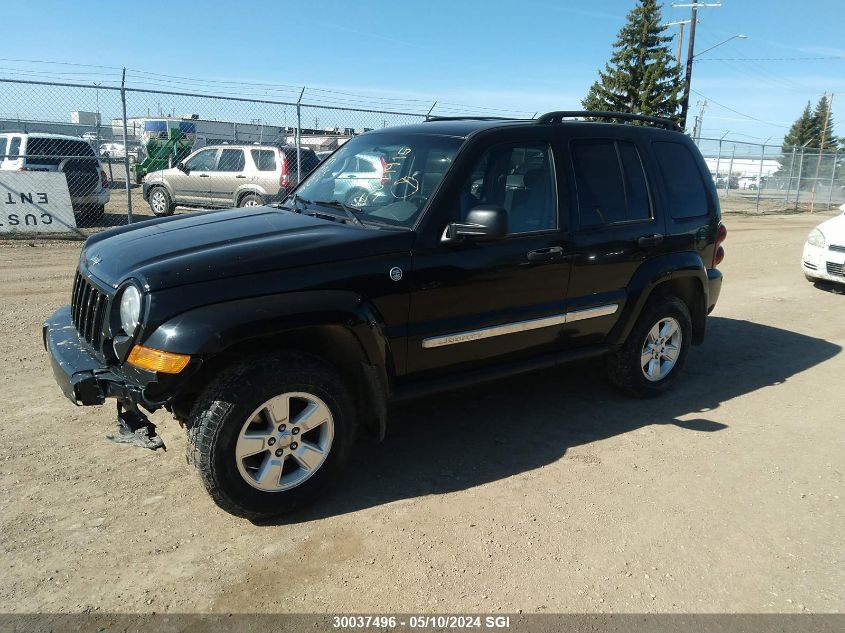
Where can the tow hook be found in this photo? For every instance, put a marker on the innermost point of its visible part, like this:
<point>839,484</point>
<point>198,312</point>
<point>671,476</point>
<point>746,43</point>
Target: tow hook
<point>135,428</point>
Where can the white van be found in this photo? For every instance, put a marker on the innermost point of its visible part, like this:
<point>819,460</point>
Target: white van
<point>87,182</point>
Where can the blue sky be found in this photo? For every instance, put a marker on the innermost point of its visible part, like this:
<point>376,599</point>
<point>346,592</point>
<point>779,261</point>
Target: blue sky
<point>520,56</point>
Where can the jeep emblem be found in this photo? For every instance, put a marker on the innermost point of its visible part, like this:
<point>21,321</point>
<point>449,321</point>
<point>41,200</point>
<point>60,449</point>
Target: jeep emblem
<point>396,273</point>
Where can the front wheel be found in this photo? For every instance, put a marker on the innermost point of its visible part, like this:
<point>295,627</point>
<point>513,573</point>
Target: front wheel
<point>655,350</point>
<point>160,202</point>
<point>271,434</point>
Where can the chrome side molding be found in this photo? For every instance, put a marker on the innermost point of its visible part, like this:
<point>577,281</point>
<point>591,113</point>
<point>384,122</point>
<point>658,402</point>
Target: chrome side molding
<point>519,326</point>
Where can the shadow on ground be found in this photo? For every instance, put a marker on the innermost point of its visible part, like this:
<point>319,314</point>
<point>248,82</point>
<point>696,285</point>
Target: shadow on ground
<point>466,438</point>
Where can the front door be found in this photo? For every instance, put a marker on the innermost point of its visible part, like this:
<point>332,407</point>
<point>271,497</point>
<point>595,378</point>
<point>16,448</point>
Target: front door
<point>191,186</point>
<point>474,301</point>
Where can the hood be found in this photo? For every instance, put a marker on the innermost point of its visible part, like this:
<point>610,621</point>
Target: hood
<point>190,248</point>
<point>834,229</point>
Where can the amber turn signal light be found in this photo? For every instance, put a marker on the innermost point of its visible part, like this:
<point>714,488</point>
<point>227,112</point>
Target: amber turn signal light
<point>157,360</point>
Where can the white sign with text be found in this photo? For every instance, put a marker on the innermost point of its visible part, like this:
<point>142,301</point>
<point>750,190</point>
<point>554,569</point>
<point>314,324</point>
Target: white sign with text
<point>35,202</point>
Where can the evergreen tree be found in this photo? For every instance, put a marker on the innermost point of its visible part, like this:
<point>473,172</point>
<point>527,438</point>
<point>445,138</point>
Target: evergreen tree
<point>820,114</point>
<point>803,133</point>
<point>642,76</point>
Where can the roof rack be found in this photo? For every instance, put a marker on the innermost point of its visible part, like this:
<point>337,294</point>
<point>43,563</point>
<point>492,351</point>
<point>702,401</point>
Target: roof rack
<point>558,116</point>
<point>468,118</point>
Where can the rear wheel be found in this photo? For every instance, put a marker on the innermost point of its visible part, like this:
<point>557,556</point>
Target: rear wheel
<point>357,197</point>
<point>271,434</point>
<point>251,200</point>
<point>160,202</point>
<point>655,350</point>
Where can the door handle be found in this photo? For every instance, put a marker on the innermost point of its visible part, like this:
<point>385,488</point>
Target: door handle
<point>203,175</point>
<point>240,176</point>
<point>552,253</point>
<point>650,240</point>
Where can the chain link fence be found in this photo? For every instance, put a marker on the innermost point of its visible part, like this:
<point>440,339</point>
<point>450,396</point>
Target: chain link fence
<point>99,142</point>
<point>92,145</point>
<point>768,176</point>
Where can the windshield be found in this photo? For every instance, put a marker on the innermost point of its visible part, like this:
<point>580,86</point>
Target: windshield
<point>383,177</point>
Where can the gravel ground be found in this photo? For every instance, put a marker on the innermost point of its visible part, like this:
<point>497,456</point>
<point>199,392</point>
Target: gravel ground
<point>548,492</point>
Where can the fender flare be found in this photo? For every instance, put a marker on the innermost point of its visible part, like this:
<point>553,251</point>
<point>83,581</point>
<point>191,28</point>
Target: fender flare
<point>648,277</point>
<point>210,330</point>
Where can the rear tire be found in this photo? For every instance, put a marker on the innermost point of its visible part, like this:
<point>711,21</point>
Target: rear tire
<point>251,200</point>
<point>240,413</point>
<point>653,354</point>
<point>160,202</point>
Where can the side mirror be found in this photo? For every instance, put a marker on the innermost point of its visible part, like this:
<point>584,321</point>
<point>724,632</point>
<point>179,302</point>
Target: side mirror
<point>181,167</point>
<point>483,224</point>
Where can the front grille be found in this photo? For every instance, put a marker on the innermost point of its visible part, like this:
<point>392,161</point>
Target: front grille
<point>837,247</point>
<point>836,269</point>
<point>88,309</point>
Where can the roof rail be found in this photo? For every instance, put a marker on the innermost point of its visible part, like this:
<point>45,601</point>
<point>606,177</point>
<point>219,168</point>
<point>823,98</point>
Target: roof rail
<point>468,118</point>
<point>558,116</point>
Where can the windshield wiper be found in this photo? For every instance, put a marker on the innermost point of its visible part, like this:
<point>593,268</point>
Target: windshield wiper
<point>349,211</point>
<point>299,203</point>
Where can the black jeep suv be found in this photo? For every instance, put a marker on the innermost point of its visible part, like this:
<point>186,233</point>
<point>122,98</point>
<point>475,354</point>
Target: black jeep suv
<point>479,248</point>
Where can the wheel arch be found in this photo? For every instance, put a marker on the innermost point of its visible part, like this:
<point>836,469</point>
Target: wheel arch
<point>248,190</point>
<point>335,326</point>
<point>683,275</point>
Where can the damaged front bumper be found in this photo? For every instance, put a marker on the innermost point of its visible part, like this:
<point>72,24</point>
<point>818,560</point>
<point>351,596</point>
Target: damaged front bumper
<point>86,380</point>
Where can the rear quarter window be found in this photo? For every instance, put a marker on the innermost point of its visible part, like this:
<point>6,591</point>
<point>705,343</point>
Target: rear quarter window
<point>3,142</point>
<point>685,191</point>
<point>264,159</point>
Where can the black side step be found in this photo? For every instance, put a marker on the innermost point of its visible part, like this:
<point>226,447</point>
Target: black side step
<point>465,379</point>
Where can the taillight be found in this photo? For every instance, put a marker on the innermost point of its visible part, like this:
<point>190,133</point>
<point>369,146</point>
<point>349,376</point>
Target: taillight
<point>104,180</point>
<point>385,177</point>
<point>284,180</point>
<point>719,252</point>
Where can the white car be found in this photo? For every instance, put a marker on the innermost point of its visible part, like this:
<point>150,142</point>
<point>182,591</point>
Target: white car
<point>824,252</point>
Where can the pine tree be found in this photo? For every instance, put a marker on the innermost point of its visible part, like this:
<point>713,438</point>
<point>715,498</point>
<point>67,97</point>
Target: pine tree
<point>820,115</point>
<point>642,76</point>
<point>803,133</point>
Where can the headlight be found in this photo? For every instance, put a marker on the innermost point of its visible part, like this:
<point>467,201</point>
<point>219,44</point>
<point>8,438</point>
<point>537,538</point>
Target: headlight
<point>816,238</point>
<point>130,309</point>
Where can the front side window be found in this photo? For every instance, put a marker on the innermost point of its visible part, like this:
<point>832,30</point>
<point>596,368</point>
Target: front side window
<point>610,182</point>
<point>202,161</point>
<point>519,178</point>
<point>231,160</point>
<point>387,177</point>
<point>682,179</point>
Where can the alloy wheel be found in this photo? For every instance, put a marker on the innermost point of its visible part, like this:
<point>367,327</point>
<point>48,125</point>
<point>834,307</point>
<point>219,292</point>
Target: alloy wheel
<point>284,442</point>
<point>661,349</point>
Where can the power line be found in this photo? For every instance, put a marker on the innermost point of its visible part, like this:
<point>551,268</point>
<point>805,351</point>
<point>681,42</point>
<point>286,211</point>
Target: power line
<point>767,59</point>
<point>742,114</point>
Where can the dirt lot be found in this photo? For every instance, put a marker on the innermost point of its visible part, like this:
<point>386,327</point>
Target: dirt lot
<point>548,492</point>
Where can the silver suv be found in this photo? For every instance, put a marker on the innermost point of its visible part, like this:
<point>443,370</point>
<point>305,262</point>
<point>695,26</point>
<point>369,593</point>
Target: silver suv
<point>228,176</point>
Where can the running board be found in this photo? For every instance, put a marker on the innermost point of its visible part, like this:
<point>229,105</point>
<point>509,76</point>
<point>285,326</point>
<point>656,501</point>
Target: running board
<point>459,380</point>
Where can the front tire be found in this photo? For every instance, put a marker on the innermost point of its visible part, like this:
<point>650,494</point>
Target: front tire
<point>160,202</point>
<point>271,434</point>
<point>655,350</point>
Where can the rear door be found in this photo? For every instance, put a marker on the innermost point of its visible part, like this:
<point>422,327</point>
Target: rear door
<point>616,227</point>
<point>227,176</point>
<point>267,170</point>
<point>192,185</point>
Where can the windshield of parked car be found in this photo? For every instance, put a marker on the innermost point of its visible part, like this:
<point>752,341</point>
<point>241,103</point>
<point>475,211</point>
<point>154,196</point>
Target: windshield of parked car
<point>382,177</point>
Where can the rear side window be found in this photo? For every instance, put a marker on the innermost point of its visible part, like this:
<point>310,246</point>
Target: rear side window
<point>610,181</point>
<point>687,197</point>
<point>231,160</point>
<point>15,147</point>
<point>57,148</point>
<point>264,159</point>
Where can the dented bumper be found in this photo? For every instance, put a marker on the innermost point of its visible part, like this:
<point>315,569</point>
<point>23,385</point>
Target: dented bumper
<point>82,377</point>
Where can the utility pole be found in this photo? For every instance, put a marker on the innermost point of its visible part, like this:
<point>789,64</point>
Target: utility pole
<point>699,121</point>
<point>680,24</point>
<point>821,150</point>
<point>694,7</point>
